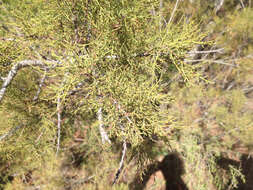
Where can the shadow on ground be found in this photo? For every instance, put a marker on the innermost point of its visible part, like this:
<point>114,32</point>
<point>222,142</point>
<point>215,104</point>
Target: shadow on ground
<point>246,164</point>
<point>172,169</point>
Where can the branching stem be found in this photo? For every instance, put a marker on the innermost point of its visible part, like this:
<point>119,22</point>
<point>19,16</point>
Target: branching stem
<point>12,73</point>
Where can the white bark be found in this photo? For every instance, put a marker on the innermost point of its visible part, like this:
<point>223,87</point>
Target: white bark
<point>12,73</point>
<point>102,131</point>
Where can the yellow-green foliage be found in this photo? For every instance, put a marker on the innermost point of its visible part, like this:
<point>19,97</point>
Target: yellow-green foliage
<point>127,60</point>
<point>238,31</point>
<point>211,122</point>
<point>121,53</point>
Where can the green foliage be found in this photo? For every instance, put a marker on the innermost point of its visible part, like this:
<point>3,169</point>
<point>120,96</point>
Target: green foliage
<point>238,33</point>
<point>120,57</point>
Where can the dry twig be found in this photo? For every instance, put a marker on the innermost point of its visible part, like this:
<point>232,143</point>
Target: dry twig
<point>208,51</point>
<point>58,123</point>
<point>42,81</point>
<point>173,12</point>
<point>209,60</point>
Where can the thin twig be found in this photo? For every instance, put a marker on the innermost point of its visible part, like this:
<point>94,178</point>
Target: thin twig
<point>38,138</point>
<point>161,17</point>
<point>10,132</point>
<point>59,112</point>
<point>88,24</point>
<point>2,78</point>
<point>13,72</point>
<point>42,81</point>
<point>208,51</point>
<point>121,162</point>
<point>58,123</point>
<point>209,60</point>
<point>77,88</point>
<point>173,12</point>
<point>102,131</point>
<point>82,181</point>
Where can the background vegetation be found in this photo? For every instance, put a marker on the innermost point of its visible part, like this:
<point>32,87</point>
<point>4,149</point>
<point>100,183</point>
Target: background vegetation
<point>86,86</point>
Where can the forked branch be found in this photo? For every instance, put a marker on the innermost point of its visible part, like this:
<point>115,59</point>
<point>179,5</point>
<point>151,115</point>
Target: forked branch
<point>14,70</point>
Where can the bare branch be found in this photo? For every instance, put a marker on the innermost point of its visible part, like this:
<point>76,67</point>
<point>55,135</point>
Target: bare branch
<point>59,112</point>
<point>42,81</point>
<point>13,130</point>
<point>145,54</point>
<point>219,4</point>
<point>209,60</point>
<point>38,138</point>
<point>208,51</point>
<point>88,36</point>
<point>77,87</point>
<point>241,1</point>
<point>173,12</point>
<point>58,123</point>
<point>13,72</point>
<point>102,131</point>
<point>121,162</point>
<point>82,181</point>
<point>161,17</point>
